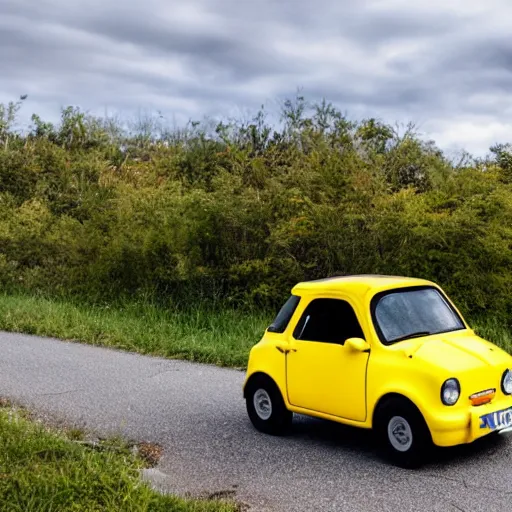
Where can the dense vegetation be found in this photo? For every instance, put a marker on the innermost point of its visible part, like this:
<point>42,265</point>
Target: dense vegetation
<point>240,211</point>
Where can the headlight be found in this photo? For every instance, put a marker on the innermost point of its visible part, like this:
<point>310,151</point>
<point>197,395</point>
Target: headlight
<point>506,382</point>
<point>450,392</point>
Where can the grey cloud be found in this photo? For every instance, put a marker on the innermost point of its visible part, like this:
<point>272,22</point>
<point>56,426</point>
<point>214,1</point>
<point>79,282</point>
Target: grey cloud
<point>225,52</point>
<point>424,60</point>
<point>483,54</point>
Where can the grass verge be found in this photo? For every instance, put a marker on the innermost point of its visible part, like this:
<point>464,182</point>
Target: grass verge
<point>42,470</point>
<point>202,334</point>
<point>494,330</point>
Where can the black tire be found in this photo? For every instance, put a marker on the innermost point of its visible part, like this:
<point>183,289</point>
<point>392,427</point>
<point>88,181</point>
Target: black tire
<point>402,433</point>
<point>262,389</point>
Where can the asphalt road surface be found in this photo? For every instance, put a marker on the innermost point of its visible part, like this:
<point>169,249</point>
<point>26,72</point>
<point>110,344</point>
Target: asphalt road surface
<point>197,414</point>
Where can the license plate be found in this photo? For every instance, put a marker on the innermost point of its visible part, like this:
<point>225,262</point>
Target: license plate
<point>497,420</point>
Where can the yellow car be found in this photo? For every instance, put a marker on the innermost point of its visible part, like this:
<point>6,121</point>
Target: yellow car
<point>388,353</point>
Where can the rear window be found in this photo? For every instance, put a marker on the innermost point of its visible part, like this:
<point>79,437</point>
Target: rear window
<point>284,316</point>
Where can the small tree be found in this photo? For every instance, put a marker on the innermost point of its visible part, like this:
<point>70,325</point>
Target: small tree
<point>503,157</point>
<point>8,116</point>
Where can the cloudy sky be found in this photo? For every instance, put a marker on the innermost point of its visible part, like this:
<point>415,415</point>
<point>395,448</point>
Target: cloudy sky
<point>444,64</point>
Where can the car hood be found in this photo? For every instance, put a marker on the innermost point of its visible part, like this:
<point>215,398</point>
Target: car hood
<point>457,352</point>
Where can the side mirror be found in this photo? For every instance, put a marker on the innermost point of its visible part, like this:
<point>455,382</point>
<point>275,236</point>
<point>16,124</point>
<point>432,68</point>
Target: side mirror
<point>357,345</point>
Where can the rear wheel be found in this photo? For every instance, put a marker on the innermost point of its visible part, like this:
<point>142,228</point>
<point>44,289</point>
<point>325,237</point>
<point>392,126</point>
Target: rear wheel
<point>402,433</point>
<point>265,406</point>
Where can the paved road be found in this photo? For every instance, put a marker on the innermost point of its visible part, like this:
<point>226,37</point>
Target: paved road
<point>197,413</point>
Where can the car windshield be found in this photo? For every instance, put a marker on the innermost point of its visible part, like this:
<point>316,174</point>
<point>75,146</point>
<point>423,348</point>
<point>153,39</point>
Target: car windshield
<point>403,314</point>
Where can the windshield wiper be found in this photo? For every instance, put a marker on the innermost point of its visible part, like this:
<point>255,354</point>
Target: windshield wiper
<point>412,335</point>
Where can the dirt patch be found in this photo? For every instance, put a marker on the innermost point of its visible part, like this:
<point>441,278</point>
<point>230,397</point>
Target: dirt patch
<point>5,403</point>
<point>150,453</point>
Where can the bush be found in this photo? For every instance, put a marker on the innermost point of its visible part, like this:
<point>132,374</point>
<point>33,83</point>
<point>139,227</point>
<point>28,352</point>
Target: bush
<point>240,212</point>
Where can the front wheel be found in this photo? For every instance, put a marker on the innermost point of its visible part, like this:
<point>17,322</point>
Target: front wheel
<point>266,408</point>
<point>402,433</point>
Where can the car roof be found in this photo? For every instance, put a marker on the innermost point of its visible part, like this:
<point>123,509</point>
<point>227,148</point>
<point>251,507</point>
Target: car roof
<point>358,283</point>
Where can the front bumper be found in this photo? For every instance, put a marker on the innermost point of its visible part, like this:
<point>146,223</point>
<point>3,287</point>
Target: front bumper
<point>467,425</point>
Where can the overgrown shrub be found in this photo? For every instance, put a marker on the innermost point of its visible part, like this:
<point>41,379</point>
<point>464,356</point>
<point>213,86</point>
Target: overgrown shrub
<point>240,212</point>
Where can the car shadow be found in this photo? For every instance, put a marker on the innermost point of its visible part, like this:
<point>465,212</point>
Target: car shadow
<point>363,442</point>
<point>332,434</point>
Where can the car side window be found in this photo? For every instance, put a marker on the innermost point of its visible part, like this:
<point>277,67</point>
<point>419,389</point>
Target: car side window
<point>328,321</point>
<point>285,314</point>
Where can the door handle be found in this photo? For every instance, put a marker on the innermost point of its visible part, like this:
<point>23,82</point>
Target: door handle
<point>285,350</point>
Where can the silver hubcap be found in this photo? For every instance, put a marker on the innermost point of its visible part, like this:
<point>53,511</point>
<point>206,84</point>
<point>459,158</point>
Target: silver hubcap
<point>400,433</point>
<point>262,404</point>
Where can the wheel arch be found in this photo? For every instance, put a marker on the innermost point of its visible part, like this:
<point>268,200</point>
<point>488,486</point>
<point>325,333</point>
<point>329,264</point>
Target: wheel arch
<point>390,397</point>
<point>257,375</point>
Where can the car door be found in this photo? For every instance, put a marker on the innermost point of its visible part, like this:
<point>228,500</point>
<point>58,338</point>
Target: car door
<point>322,374</point>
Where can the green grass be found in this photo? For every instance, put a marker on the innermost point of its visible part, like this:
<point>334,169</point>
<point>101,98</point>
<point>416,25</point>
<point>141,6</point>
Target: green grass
<point>494,330</point>
<point>45,471</point>
<point>203,334</point>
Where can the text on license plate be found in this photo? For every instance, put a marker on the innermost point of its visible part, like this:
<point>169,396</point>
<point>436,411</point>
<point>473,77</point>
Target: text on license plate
<point>497,420</point>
